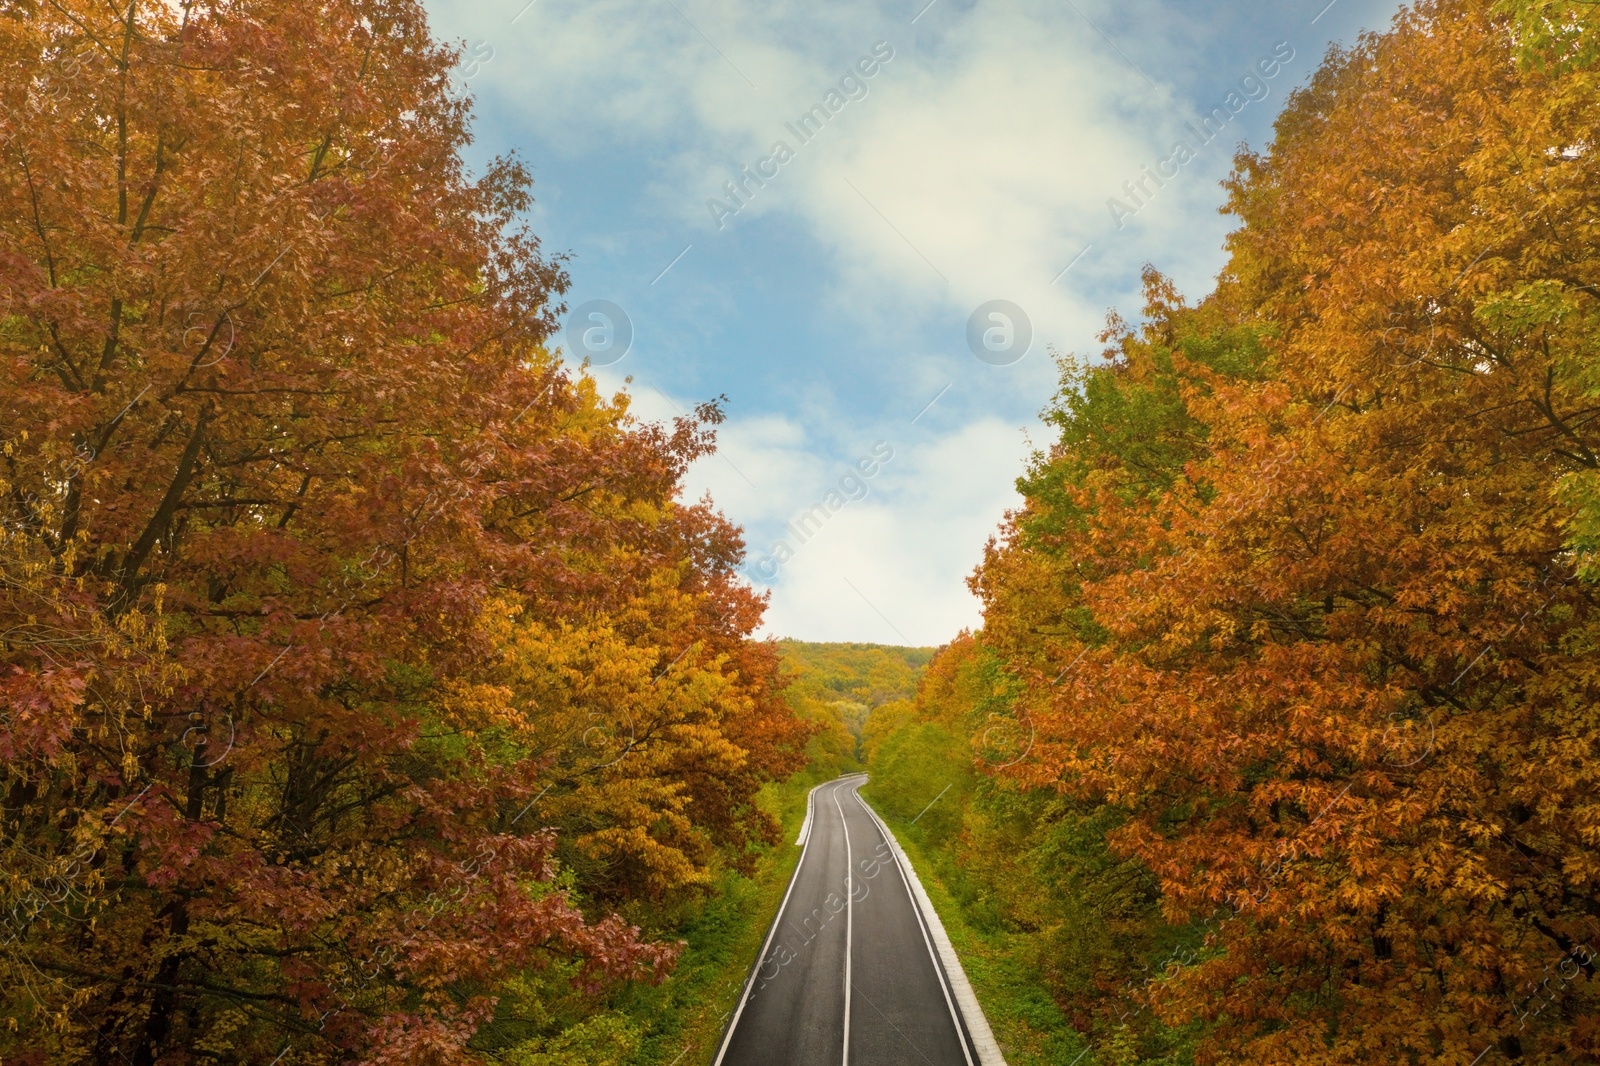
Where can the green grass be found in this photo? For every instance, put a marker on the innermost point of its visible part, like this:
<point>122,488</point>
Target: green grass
<point>1029,1026</point>
<point>680,1021</point>
<point>684,1017</point>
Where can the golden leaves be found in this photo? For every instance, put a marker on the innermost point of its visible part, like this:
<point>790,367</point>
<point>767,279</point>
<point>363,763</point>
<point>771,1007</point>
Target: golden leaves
<point>1337,644</point>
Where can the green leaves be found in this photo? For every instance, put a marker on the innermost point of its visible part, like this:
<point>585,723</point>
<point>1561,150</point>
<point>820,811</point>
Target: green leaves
<point>1554,34</point>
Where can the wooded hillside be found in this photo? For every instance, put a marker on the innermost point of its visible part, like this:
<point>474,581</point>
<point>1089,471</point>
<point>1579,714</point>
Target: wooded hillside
<point>1287,688</point>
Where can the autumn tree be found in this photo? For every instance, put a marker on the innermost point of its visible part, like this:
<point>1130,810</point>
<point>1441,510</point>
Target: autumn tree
<point>324,585</point>
<point>1296,589</point>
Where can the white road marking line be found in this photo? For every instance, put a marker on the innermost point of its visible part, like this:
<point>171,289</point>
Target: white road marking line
<point>938,968</point>
<point>805,826</point>
<point>849,915</point>
<point>727,1038</point>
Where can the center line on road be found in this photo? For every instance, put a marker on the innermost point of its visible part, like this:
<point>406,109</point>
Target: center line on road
<point>849,917</point>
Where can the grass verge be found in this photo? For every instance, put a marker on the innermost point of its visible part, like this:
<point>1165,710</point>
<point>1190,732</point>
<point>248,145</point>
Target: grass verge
<point>684,1016</point>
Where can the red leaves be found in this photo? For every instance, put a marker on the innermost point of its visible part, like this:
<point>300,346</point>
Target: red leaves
<point>40,711</point>
<point>287,475</point>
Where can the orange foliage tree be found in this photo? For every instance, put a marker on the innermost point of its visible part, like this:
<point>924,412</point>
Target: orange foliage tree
<point>324,588</point>
<point>1297,589</point>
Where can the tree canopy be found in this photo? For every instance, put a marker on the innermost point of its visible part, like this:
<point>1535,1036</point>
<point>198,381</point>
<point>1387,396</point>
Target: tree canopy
<point>355,656</point>
<point>1302,588</point>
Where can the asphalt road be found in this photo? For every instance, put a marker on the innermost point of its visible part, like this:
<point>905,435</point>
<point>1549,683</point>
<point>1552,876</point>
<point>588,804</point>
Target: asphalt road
<point>848,975</point>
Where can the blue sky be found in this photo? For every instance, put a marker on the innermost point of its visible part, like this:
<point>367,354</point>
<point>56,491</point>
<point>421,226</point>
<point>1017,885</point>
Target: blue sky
<point>869,452</point>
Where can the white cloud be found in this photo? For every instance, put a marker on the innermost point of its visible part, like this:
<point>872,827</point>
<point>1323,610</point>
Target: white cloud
<point>906,545</point>
<point>987,147</point>
<point>889,567</point>
<point>991,145</point>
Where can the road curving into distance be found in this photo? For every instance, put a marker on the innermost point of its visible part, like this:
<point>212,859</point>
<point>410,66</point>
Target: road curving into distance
<point>851,972</point>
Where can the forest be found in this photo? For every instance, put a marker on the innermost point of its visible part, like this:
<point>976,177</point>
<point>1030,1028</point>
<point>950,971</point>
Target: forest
<point>370,691</point>
<point>1279,740</point>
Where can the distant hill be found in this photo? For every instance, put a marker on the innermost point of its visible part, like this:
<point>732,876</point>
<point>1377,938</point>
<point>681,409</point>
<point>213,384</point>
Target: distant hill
<point>840,685</point>
<point>870,674</point>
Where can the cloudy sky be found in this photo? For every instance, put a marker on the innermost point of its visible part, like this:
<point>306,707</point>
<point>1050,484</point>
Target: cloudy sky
<point>839,292</point>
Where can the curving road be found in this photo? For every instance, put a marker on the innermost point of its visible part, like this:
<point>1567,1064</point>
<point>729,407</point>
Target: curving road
<point>849,975</point>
